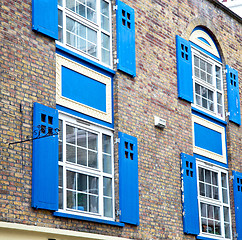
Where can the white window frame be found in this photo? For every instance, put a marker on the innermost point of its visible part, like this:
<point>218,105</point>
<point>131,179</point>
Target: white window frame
<point>214,202</point>
<point>212,87</point>
<point>89,24</point>
<point>97,129</point>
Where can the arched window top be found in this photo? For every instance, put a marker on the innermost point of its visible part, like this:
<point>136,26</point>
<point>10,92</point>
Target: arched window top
<point>203,39</point>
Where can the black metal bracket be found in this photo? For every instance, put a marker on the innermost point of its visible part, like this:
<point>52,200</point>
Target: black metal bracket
<point>39,133</point>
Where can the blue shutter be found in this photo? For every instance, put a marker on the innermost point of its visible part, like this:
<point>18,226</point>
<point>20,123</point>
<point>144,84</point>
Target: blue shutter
<point>128,179</point>
<point>126,39</point>
<point>45,17</point>
<point>184,69</point>
<point>237,185</point>
<point>233,95</point>
<point>45,159</point>
<point>189,195</point>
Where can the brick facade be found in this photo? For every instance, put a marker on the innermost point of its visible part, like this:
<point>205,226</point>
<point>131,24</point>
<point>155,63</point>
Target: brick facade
<point>28,75</point>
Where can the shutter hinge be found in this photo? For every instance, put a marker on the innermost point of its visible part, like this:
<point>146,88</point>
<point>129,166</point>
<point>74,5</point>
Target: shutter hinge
<point>118,213</point>
<point>231,177</point>
<point>227,114</point>
<point>116,61</point>
<point>117,140</point>
<point>236,235</point>
<point>115,7</point>
<point>225,70</point>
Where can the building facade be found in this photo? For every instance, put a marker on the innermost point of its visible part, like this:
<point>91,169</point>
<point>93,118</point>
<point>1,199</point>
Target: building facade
<point>120,120</point>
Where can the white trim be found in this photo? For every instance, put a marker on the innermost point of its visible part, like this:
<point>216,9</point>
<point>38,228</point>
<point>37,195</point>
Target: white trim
<point>199,33</point>
<point>55,231</point>
<point>206,153</point>
<point>69,103</point>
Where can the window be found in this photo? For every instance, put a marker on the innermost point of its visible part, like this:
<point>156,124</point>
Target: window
<point>85,25</point>
<point>213,200</point>
<point>208,84</point>
<point>85,169</point>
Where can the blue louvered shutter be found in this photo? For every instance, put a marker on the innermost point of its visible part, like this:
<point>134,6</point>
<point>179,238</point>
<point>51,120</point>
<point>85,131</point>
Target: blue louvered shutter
<point>184,69</point>
<point>233,95</point>
<point>189,195</point>
<point>45,158</point>
<point>128,179</point>
<point>45,17</point>
<point>237,185</point>
<point>126,39</point>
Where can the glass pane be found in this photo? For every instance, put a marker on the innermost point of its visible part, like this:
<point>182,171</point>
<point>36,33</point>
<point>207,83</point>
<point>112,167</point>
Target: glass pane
<point>215,193</point>
<point>60,176</point>
<point>70,153</point>
<point>204,92</point>
<point>210,95</point>
<point>82,156</point>
<point>82,202</point>
<point>197,89</point>
<point>91,15</point>
<point>70,134</point>
<point>207,176</point>
<point>203,210</point>
<point>106,56</point>
<point>202,189</point>
<point>81,30</point>
<point>92,159</point>
<point>226,214</point>
<point>92,49</point>
<point>210,226</point>
<point>91,4</point>
<point>219,98</point>
<point>202,64</point>
<point>81,182</point>
<point>203,75</point>
<point>105,41</point>
<point>104,8</point>
<point>217,228</point>
<point>198,100</point>
<point>71,199</point>
<point>107,187</point>
<point>196,70</point>
<point>60,134</point>
<point>204,103</point>
<point>108,207</point>
<point>208,191</point>
<point>60,198</point>
<point>215,178</point>
<point>210,211</point>
<point>106,140</point>
<point>196,61</point>
<point>224,180</point>
<point>60,3</point>
<point>93,204</point>
<point>71,39</point>
<point>70,25</point>
<point>227,230</point>
<point>93,185</point>
<point>71,180</point>
<point>105,23</point>
<point>217,213</point>
<point>91,35</point>
<point>92,141</point>
<point>209,68</point>
<point>204,225</point>
<point>81,44</point>
<point>209,78</point>
<point>60,18</point>
<point>201,174</point>
<point>60,151</point>
<point>80,9</point>
<point>81,138</point>
<point>70,4</point>
<point>225,195</point>
<point>107,164</point>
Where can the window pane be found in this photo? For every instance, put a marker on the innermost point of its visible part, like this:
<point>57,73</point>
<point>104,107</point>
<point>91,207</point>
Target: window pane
<point>208,191</point>
<point>215,193</point>
<point>60,176</point>
<point>203,210</point>
<point>104,8</point>
<point>92,141</point>
<point>93,204</point>
<point>226,214</point>
<point>210,211</point>
<point>224,180</point>
<point>81,182</point>
<point>210,226</point>
<point>70,134</point>
<point>202,189</point>
<point>92,159</point>
<point>107,187</point>
<point>106,140</point>
<point>204,225</point>
<point>107,163</point>
<point>70,4</point>
<point>70,153</point>
<point>201,174</point>
<point>105,41</point>
<point>82,202</point>
<point>217,213</point>
<point>60,3</point>
<point>227,230</point>
<point>80,9</point>
<point>91,15</point>
<point>207,176</point>
<point>71,199</point>
<point>225,195</point>
<point>71,180</point>
<point>60,198</point>
<point>82,156</point>
<point>108,207</point>
<point>60,26</point>
<point>93,185</point>
<point>217,228</point>
<point>81,138</point>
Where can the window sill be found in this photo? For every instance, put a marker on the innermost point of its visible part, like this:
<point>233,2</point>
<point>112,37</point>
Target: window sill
<point>211,117</point>
<point>208,238</point>
<point>83,218</point>
<point>79,56</point>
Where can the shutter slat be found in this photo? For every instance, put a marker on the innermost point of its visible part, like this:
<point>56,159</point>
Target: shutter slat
<point>126,39</point>
<point>233,95</point>
<point>128,179</point>
<point>184,69</point>
<point>237,185</point>
<point>45,17</point>
<point>189,195</point>
<point>45,159</point>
